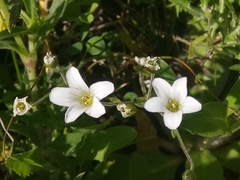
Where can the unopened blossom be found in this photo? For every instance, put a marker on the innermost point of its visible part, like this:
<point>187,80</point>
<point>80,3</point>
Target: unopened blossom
<point>21,106</point>
<point>148,62</point>
<point>124,109</point>
<point>172,101</point>
<point>50,60</point>
<point>80,98</point>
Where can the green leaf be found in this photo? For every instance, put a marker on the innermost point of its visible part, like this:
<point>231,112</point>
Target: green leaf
<point>233,97</point>
<point>15,11</point>
<point>206,166</point>
<point>126,39</point>
<point>86,18</point>
<point>95,45</point>
<point>74,49</point>
<point>185,5</point>
<point>209,122</point>
<point>89,2</point>
<point>229,156</point>
<point>66,144</point>
<point>55,13</point>
<point>25,163</point>
<point>79,177</point>
<point>145,166</point>
<point>235,67</point>
<point>99,171</point>
<point>101,144</point>
<point>139,168</point>
<point>15,32</point>
<point>10,45</point>
<point>166,72</point>
<point>130,96</point>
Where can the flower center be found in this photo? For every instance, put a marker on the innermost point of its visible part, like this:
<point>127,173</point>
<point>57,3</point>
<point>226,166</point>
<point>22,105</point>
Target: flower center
<point>86,99</point>
<point>21,106</point>
<point>173,105</point>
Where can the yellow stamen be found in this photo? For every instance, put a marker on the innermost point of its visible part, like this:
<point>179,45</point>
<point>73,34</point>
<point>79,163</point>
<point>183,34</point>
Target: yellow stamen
<point>173,105</point>
<point>21,106</point>
<point>86,99</point>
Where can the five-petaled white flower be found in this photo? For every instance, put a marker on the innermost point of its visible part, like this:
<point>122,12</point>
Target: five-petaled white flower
<point>172,101</point>
<point>21,106</point>
<point>79,97</point>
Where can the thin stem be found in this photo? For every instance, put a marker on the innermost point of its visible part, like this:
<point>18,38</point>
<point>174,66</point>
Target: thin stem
<point>141,81</point>
<point>62,75</point>
<point>17,68</point>
<point>184,149</point>
<point>40,100</point>
<point>150,87</point>
<point>116,103</point>
<point>4,138</point>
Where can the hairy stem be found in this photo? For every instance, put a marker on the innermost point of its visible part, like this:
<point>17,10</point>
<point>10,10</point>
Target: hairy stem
<point>184,149</point>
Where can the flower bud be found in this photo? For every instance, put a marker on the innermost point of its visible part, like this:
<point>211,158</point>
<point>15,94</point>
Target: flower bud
<point>50,61</point>
<point>20,106</point>
<point>126,110</point>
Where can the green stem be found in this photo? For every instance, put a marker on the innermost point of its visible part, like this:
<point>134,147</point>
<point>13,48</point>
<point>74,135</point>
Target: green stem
<point>150,87</point>
<point>141,81</point>
<point>30,64</point>
<point>40,100</point>
<point>62,74</point>
<point>125,102</point>
<point>21,45</point>
<point>184,149</point>
<point>17,68</point>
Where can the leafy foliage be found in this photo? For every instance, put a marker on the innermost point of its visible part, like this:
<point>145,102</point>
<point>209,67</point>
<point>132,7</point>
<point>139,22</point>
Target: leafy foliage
<point>196,39</point>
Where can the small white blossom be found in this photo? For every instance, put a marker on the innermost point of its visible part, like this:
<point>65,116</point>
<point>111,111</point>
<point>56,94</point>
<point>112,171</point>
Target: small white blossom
<point>148,62</point>
<point>20,106</point>
<point>124,109</point>
<point>172,101</point>
<point>79,97</point>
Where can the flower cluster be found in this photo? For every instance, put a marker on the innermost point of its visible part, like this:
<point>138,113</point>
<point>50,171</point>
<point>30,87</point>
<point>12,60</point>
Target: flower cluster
<point>172,101</point>
<point>148,62</point>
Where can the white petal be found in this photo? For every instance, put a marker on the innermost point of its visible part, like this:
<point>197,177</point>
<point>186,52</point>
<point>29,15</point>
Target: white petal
<point>191,105</point>
<point>63,96</point>
<point>75,80</point>
<point>162,88</point>
<point>96,109</point>
<point>155,104</point>
<point>74,111</point>
<point>180,89</point>
<point>172,120</point>
<point>101,89</point>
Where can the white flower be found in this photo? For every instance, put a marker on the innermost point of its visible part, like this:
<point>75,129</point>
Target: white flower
<point>79,97</point>
<point>20,106</point>
<point>172,101</point>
